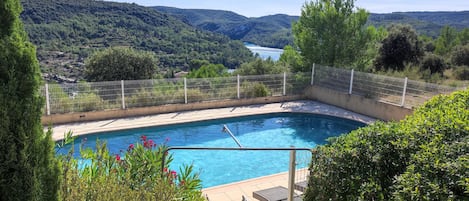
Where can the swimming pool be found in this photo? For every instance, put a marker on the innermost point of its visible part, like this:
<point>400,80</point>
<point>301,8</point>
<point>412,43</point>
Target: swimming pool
<point>222,167</point>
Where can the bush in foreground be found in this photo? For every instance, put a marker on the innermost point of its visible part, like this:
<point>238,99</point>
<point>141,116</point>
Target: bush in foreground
<point>134,174</point>
<point>28,169</point>
<point>424,157</point>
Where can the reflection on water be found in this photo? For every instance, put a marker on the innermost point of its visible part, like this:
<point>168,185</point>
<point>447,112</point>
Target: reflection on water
<point>264,52</point>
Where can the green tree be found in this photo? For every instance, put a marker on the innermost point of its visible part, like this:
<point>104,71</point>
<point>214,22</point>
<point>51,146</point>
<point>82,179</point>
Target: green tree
<point>197,63</point>
<point>292,58</point>
<point>460,61</point>
<point>210,70</point>
<point>433,63</point>
<point>331,32</point>
<point>402,45</point>
<point>377,35</point>
<point>28,169</point>
<point>261,67</point>
<point>120,63</point>
<point>446,41</point>
<point>460,55</point>
<point>428,43</point>
<point>463,37</point>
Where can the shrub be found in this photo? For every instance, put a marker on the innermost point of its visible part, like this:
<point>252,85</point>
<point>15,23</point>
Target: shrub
<point>254,90</point>
<point>433,63</point>
<point>120,63</point>
<point>437,140</point>
<point>430,77</point>
<point>85,102</point>
<point>60,102</point>
<point>401,46</point>
<point>87,99</point>
<point>462,73</point>
<point>195,95</point>
<point>460,55</point>
<point>423,157</point>
<point>135,174</point>
<point>142,98</point>
<point>299,82</point>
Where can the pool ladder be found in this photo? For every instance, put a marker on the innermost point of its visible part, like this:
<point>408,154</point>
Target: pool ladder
<point>227,130</point>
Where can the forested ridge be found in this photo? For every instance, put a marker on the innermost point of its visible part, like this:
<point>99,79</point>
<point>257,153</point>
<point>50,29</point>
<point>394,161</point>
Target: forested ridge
<point>270,31</point>
<point>66,32</point>
<point>425,23</point>
<point>275,30</point>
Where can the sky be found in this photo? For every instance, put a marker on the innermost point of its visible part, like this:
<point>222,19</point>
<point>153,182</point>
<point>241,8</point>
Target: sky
<point>257,8</point>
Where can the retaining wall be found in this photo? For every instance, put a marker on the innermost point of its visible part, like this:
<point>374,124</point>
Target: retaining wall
<point>358,104</point>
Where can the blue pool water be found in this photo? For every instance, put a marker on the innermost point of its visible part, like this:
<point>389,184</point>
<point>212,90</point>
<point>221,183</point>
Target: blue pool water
<point>222,167</point>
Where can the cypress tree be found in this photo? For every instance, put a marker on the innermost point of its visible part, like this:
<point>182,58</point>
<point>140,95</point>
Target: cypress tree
<point>28,169</point>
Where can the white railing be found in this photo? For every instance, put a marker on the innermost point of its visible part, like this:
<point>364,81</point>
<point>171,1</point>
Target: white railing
<point>93,96</point>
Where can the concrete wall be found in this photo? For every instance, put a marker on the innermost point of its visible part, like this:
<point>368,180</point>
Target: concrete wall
<point>358,104</point>
<point>132,112</point>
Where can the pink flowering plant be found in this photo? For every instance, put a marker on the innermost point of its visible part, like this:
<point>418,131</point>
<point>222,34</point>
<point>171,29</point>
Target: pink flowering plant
<point>132,174</point>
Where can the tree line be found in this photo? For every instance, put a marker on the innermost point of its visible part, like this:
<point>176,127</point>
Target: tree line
<point>335,33</point>
<point>68,32</point>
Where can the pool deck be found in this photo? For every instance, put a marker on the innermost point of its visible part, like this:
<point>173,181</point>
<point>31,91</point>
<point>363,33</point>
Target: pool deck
<point>235,191</point>
<point>226,192</point>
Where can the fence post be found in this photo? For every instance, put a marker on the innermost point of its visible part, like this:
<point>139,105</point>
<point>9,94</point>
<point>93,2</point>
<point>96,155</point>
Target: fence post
<point>404,92</point>
<point>47,100</point>
<point>284,83</point>
<point>123,94</point>
<point>185,90</point>
<point>351,82</point>
<point>312,74</point>
<point>237,87</point>
<point>291,175</point>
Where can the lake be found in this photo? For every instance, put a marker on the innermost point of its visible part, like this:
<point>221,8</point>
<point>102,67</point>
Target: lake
<point>265,52</point>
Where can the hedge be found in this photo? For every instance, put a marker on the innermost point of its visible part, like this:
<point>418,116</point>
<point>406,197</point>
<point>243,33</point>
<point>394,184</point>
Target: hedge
<point>423,157</point>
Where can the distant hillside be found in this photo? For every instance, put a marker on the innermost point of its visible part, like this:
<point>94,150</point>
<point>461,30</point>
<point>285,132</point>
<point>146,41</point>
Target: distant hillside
<point>271,31</point>
<point>427,23</point>
<point>275,30</point>
<point>458,20</point>
<point>67,31</point>
<point>423,27</point>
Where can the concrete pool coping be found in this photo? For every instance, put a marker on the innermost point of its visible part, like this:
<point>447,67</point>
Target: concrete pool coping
<point>313,107</point>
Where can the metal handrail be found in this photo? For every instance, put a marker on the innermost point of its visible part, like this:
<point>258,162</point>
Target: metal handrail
<point>163,162</point>
<point>291,171</point>
<point>226,129</point>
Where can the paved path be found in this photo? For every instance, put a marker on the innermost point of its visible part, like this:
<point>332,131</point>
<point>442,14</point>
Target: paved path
<point>200,115</point>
